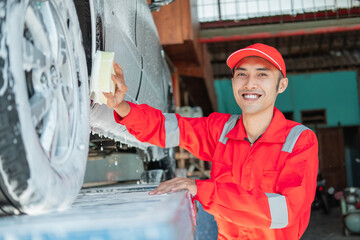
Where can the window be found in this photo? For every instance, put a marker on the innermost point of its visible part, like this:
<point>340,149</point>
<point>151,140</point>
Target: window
<point>313,117</point>
<point>218,10</point>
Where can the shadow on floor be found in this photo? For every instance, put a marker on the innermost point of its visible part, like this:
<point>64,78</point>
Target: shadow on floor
<point>321,226</point>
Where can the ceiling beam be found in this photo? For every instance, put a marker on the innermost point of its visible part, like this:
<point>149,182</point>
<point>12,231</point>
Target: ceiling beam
<point>278,30</point>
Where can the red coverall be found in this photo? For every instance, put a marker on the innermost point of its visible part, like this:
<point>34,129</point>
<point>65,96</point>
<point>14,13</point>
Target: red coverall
<point>263,191</point>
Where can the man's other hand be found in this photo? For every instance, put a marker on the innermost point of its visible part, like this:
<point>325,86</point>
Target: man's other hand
<point>174,185</point>
<point>116,101</point>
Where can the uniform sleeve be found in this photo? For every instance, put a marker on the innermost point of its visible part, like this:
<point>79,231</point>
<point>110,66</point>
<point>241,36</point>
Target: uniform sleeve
<point>295,191</point>
<point>166,130</point>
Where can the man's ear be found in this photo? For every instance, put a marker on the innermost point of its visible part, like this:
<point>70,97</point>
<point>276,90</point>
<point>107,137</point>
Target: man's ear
<point>283,85</point>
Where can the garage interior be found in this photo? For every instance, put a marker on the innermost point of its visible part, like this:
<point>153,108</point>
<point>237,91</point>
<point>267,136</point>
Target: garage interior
<point>320,43</point>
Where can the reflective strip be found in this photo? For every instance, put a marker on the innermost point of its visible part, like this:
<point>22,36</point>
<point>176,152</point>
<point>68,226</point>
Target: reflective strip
<point>172,134</point>
<point>227,128</point>
<point>292,137</point>
<point>278,210</point>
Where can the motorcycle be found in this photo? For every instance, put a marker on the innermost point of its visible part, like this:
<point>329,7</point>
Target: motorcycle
<point>350,209</point>
<point>322,196</point>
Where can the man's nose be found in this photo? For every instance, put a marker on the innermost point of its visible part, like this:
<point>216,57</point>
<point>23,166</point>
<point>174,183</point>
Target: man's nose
<point>250,82</point>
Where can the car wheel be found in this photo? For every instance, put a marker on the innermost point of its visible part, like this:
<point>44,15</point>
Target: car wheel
<point>44,102</point>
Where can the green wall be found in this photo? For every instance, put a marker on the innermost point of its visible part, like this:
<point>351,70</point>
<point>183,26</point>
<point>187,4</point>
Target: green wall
<point>225,97</point>
<point>337,92</point>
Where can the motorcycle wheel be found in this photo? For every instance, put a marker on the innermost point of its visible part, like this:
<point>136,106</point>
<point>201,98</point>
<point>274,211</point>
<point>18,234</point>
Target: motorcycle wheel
<point>325,203</point>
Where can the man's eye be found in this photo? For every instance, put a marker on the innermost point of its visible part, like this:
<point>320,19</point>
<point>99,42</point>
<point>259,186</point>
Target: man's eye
<point>262,74</point>
<point>241,74</point>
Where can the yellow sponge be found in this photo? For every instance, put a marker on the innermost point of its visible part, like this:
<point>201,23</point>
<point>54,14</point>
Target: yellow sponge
<point>100,80</point>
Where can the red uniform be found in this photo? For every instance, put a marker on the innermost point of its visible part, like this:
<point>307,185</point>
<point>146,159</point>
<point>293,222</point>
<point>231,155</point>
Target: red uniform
<point>259,191</point>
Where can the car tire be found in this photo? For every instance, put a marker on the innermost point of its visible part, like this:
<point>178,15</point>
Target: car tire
<point>44,104</point>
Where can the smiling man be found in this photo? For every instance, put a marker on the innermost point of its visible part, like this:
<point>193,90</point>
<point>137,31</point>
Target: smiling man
<point>264,167</point>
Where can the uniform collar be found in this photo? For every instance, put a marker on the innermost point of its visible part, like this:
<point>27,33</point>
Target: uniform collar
<point>276,131</point>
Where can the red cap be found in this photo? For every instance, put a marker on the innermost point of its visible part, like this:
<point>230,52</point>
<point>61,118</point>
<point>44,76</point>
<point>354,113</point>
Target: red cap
<point>258,50</point>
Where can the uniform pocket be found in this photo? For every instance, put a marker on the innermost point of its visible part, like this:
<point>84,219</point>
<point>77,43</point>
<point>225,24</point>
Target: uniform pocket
<point>220,171</point>
<point>269,179</point>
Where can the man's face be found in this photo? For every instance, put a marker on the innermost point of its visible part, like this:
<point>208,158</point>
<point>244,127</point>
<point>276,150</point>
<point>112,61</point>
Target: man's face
<point>255,85</point>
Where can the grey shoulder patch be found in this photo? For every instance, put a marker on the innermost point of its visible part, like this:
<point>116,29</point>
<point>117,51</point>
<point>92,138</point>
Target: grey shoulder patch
<point>227,128</point>
<point>292,138</point>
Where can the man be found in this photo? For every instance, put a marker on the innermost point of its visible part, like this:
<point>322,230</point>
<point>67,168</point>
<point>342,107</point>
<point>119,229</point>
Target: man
<point>264,167</point>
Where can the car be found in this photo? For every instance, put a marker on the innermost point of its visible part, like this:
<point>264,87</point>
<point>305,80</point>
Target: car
<point>46,53</point>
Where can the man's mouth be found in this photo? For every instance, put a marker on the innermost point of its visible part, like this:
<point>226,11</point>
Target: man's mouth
<point>252,96</point>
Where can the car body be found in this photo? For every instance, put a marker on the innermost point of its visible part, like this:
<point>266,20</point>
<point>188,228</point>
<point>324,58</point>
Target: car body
<point>127,28</point>
<point>46,53</point>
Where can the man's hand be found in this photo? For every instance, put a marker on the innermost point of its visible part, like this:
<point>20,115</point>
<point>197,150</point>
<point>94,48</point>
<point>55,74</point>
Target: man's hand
<point>116,101</point>
<point>176,184</point>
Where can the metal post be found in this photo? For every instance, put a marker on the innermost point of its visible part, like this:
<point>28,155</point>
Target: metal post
<point>358,85</point>
<point>258,9</point>
<point>302,5</point>
<point>219,10</point>
<point>337,9</point>
<point>269,9</point>
<point>326,10</point>
<point>247,10</point>
<point>237,11</point>
<point>280,10</point>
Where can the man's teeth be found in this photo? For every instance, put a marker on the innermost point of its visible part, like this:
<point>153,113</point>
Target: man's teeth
<point>253,96</point>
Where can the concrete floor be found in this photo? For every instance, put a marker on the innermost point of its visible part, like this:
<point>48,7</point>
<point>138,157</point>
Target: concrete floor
<point>321,226</point>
